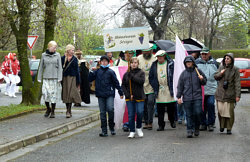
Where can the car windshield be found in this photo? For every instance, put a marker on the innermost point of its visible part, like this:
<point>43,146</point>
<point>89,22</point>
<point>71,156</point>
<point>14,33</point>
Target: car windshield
<point>241,64</point>
<point>34,65</point>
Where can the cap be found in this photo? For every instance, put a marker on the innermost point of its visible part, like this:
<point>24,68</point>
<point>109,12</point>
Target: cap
<point>105,57</point>
<point>205,50</point>
<point>150,47</point>
<point>160,53</point>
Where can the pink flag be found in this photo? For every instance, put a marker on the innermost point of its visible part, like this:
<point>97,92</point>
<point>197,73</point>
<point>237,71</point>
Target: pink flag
<point>180,54</point>
<point>119,104</point>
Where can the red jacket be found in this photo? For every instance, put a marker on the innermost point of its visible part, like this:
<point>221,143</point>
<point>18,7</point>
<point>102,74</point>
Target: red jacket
<point>13,66</point>
<point>4,68</point>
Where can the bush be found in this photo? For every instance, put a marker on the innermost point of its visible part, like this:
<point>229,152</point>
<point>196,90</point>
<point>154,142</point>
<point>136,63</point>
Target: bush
<point>244,53</point>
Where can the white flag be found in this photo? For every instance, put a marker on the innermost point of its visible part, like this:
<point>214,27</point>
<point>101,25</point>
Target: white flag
<point>180,54</point>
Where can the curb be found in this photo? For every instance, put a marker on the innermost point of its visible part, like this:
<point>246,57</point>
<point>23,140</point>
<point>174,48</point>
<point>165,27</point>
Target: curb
<point>12,146</point>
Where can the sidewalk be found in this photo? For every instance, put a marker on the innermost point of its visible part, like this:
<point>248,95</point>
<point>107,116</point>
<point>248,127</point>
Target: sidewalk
<point>28,129</point>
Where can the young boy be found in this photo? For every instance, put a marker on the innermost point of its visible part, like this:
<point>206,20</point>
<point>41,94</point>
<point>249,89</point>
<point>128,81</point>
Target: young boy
<point>105,84</point>
<point>189,87</point>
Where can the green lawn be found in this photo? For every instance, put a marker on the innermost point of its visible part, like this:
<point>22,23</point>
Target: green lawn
<point>8,111</point>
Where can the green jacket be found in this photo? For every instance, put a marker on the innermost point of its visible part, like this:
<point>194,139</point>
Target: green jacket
<point>232,76</point>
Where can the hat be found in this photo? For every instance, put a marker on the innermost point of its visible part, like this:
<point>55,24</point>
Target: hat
<point>188,59</point>
<point>160,53</point>
<point>205,50</point>
<point>150,47</point>
<point>105,57</point>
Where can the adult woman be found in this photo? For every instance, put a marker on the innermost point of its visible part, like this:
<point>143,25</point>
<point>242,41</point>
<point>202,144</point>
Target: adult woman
<point>71,79</point>
<point>132,85</point>
<point>228,92</point>
<point>50,72</point>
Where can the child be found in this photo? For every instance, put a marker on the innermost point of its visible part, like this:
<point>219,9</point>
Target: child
<point>105,84</point>
<point>135,96</point>
<point>189,87</point>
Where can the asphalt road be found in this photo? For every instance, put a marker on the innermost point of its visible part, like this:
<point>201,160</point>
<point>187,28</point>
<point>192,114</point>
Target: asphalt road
<point>170,145</point>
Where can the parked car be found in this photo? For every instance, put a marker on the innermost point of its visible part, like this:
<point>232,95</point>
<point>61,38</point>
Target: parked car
<point>244,65</point>
<point>33,64</point>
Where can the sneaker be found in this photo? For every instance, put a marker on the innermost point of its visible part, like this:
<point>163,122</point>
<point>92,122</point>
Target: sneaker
<point>103,134</point>
<point>160,129</point>
<point>173,125</point>
<point>6,94</point>
<point>210,128</point>
<point>150,127</point>
<point>131,135</point>
<point>14,96</point>
<point>180,121</point>
<point>229,132</point>
<point>221,129</point>
<point>139,132</point>
<point>197,132</point>
<point>125,129</point>
<point>113,132</point>
<point>203,128</point>
<point>189,134</point>
<point>145,126</point>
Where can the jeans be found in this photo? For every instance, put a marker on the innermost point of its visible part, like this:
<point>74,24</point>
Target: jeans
<point>106,105</point>
<point>138,108</point>
<point>181,112</point>
<point>208,115</point>
<point>161,112</point>
<point>193,114</point>
<point>149,108</point>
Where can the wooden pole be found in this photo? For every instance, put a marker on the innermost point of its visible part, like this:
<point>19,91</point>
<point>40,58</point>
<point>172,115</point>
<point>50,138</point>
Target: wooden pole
<point>197,71</point>
<point>130,88</point>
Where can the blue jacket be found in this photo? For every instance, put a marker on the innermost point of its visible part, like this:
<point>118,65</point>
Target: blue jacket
<point>105,82</point>
<point>153,77</point>
<point>209,68</point>
<point>189,85</point>
<point>72,70</point>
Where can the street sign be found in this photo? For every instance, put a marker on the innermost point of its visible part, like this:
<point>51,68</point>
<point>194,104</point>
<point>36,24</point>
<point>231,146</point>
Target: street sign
<point>31,40</point>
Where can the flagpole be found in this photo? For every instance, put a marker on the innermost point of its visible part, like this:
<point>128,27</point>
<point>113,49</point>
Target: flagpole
<point>130,88</point>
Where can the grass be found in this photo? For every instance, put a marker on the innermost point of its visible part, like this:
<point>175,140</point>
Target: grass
<point>15,110</point>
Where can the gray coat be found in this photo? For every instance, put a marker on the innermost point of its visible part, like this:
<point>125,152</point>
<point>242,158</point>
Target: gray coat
<point>189,85</point>
<point>50,67</point>
<point>209,68</point>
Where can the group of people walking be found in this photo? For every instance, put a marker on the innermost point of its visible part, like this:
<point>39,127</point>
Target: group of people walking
<point>9,71</point>
<point>148,83</point>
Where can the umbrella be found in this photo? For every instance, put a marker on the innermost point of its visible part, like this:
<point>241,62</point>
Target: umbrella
<point>193,41</point>
<point>188,47</point>
<point>164,44</point>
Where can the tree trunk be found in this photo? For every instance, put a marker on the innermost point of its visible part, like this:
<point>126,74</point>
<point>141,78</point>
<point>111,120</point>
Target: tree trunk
<point>159,34</point>
<point>50,21</point>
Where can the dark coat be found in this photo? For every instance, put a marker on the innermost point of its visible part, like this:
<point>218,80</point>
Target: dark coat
<point>137,77</point>
<point>153,76</point>
<point>189,84</point>
<point>105,82</point>
<point>84,86</point>
<point>232,76</point>
<point>72,69</point>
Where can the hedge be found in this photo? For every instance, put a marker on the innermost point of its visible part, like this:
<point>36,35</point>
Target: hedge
<point>245,53</point>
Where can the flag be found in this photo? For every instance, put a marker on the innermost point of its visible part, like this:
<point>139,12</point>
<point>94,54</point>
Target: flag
<point>180,54</point>
<point>119,104</point>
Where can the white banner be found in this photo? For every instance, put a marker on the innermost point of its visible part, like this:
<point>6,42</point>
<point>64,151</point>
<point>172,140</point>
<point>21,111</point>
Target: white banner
<point>123,39</point>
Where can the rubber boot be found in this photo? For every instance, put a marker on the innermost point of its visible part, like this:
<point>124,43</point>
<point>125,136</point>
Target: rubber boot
<point>48,111</point>
<point>52,115</point>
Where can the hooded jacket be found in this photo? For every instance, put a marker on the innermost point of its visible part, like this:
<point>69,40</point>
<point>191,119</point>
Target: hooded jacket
<point>137,77</point>
<point>232,77</point>
<point>209,68</point>
<point>189,84</point>
<point>105,82</point>
<point>153,76</point>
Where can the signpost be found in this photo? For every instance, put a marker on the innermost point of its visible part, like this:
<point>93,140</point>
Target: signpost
<point>125,39</point>
<point>31,42</point>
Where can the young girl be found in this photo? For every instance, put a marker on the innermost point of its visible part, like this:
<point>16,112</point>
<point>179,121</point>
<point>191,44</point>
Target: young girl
<point>132,85</point>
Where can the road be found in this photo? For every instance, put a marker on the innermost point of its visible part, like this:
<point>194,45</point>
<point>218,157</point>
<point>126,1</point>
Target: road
<point>170,145</point>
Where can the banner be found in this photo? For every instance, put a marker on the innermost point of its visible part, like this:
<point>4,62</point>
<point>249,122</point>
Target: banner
<point>123,39</point>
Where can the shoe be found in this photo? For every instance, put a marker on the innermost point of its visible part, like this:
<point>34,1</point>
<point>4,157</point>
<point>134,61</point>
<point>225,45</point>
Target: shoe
<point>131,135</point>
<point>113,132</point>
<point>229,132</point>
<point>139,132</point>
<point>185,122</point>
<point>210,128</point>
<point>203,128</point>
<point>48,111</point>
<point>77,104</point>
<point>103,134</point>
<point>214,126</point>
<point>179,121</point>
<point>173,125</point>
<point>6,94</point>
<point>145,126</point>
<point>67,114</point>
<point>221,129</point>
<point>150,127</point>
<point>160,129</point>
<point>197,132</point>
<point>125,129</point>
<point>156,114</point>
<point>189,134</point>
<point>52,115</point>
<point>14,96</point>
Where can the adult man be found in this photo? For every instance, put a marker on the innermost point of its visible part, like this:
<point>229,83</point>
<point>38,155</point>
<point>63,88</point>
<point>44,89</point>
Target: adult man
<point>209,66</point>
<point>161,79</point>
<point>145,62</point>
